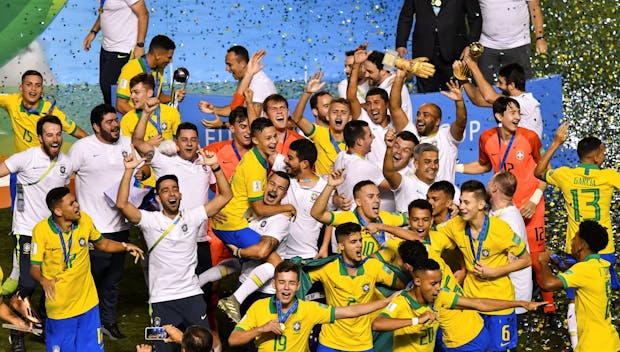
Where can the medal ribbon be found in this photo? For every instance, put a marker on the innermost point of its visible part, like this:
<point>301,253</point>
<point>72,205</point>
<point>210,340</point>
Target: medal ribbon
<point>145,61</point>
<point>334,143</point>
<point>234,148</point>
<point>502,164</point>
<point>101,3</point>
<point>283,317</point>
<point>35,111</point>
<point>283,143</point>
<point>481,237</point>
<point>379,236</point>
<point>157,124</point>
<point>352,266</point>
<point>66,248</point>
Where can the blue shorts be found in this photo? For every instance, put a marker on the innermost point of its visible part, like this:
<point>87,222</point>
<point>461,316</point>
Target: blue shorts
<point>479,343</point>
<point>240,238</point>
<point>502,331</point>
<point>79,333</point>
<point>323,348</point>
<point>615,284</point>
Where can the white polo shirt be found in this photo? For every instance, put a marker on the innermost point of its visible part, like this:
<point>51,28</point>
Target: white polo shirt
<point>194,180</point>
<point>172,263</point>
<point>275,226</point>
<point>448,151</point>
<point>304,230</point>
<point>119,26</point>
<point>404,95</point>
<point>97,167</point>
<point>378,147</point>
<point>356,169</point>
<point>262,86</point>
<point>531,118</point>
<point>362,89</point>
<point>505,23</point>
<point>410,188</point>
<point>32,167</point>
<point>521,279</point>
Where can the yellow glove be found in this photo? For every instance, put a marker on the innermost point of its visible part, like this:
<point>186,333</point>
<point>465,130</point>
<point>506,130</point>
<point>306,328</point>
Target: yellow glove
<point>418,66</point>
<point>461,71</point>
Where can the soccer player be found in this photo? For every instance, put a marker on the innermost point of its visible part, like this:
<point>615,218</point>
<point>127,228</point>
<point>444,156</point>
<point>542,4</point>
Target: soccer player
<point>587,191</point>
<point>284,322</point>
<point>27,107</point>
<point>171,236</point>
<point>59,261</point>
<point>417,313</point>
<point>441,195</point>
<point>368,201</point>
<point>163,120</point>
<point>517,150</point>
<point>231,151</point>
<point>350,279</point>
<point>485,243</point>
<point>161,50</point>
<point>304,190</point>
<point>38,170</point>
<point>276,110</point>
<point>329,140</point>
<point>592,284</point>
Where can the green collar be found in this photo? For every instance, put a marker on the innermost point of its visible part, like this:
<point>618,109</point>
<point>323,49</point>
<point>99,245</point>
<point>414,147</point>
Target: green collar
<point>260,158</point>
<point>588,166</point>
<point>39,108</point>
<point>414,304</point>
<point>592,256</point>
<point>272,306</point>
<point>50,222</point>
<point>344,272</point>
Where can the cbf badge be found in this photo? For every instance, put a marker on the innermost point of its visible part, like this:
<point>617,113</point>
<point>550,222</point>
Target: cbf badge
<point>63,170</point>
<point>520,155</point>
<point>125,153</point>
<point>156,321</point>
<point>297,326</point>
<point>184,227</point>
<point>26,248</point>
<point>82,242</point>
<point>164,126</point>
<point>485,253</point>
<point>366,288</point>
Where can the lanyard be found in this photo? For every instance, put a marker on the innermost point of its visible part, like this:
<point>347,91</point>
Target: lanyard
<point>66,248</point>
<point>379,236</point>
<point>52,164</point>
<point>353,266</point>
<point>157,124</point>
<point>334,143</point>
<point>101,2</point>
<point>234,148</point>
<point>481,237</point>
<point>283,143</point>
<point>145,61</point>
<point>35,111</point>
<point>283,317</point>
<point>502,164</point>
<point>174,223</point>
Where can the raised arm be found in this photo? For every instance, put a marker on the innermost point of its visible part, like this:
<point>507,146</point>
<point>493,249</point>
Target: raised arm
<point>358,58</point>
<point>486,89</point>
<point>319,208</point>
<point>129,210</point>
<point>462,71</point>
<point>392,176</point>
<point>137,138</point>
<point>548,281</point>
<point>224,194</point>
<point>399,118</point>
<point>543,164</point>
<point>457,128</point>
<point>314,85</point>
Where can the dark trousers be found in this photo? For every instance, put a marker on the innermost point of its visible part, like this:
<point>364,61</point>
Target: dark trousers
<point>492,60</point>
<point>26,284</point>
<point>110,65</point>
<point>107,269</point>
<point>182,313</point>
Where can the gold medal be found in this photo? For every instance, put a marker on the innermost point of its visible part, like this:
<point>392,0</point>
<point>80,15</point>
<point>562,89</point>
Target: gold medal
<point>101,10</point>
<point>282,326</point>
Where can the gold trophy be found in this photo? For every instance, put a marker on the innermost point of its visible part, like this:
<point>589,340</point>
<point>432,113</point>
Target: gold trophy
<point>461,71</point>
<point>418,66</point>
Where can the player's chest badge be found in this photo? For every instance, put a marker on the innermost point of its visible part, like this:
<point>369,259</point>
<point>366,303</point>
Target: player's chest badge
<point>297,326</point>
<point>366,288</point>
<point>485,253</point>
<point>520,155</point>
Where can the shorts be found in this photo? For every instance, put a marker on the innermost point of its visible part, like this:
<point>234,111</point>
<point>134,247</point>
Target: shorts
<point>502,331</point>
<point>535,229</point>
<point>323,348</point>
<point>611,258</point>
<point>79,333</point>
<point>181,312</point>
<point>480,343</point>
<point>243,238</point>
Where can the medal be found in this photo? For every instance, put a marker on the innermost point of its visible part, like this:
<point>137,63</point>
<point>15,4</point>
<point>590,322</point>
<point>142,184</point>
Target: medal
<point>100,10</point>
<point>282,326</point>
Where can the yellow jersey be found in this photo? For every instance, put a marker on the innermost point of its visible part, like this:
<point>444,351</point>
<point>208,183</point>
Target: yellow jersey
<point>75,287</point>
<point>591,281</point>
<point>247,185</point>
<point>298,325</point>
<point>132,68</point>
<point>169,120</point>
<point>370,244</point>
<point>327,148</point>
<point>491,248</point>
<point>418,338</point>
<point>352,334</point>
<point>24,123</point>
<point>587,192</point>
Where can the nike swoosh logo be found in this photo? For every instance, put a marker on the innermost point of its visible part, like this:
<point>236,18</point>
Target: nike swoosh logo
<point>226,161</point>
<point>203,317</point>
<point>504,344</point>
<point>121,56</point>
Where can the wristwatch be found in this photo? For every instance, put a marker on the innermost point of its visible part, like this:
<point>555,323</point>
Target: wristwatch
<point>140,44</point>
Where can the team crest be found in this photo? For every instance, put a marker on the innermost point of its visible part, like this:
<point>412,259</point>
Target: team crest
<point>485,253</point>
<point>125,153</point>
<point>26,248</point>
<point>184,227</point>
<point>156,321</point>
<point>520,155</point>
<point>366,288</point>
<point>164,126</point>
<point>263,224</point>
<point>82,242</point>
<point>297,326</point>
<point>314,196</point>
<point>91,246</point>
<point>63,169</point>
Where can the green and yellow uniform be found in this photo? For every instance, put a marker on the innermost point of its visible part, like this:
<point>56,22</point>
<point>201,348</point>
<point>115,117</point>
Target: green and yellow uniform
<point>298,325</point>
<point>341,289</point>
<point>591,280</point>
<point>370,245</point>
<point>75,287</point>
<point>587,194</point>
<point>247,185</point>
<point>326,148</point>
<point>24,123</point>
<point>169,120</point>
<point>132,68</point>
<point>497,241</point>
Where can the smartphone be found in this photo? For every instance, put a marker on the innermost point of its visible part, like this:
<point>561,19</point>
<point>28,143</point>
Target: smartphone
<point>155,333</point>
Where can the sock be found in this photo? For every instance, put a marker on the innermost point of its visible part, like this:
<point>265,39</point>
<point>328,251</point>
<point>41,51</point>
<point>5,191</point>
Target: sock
<point>256,279</point>
<point>224,268</point>
<point>571,318</point>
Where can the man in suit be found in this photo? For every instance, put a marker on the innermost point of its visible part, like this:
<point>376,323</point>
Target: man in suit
<point>439,34</point>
